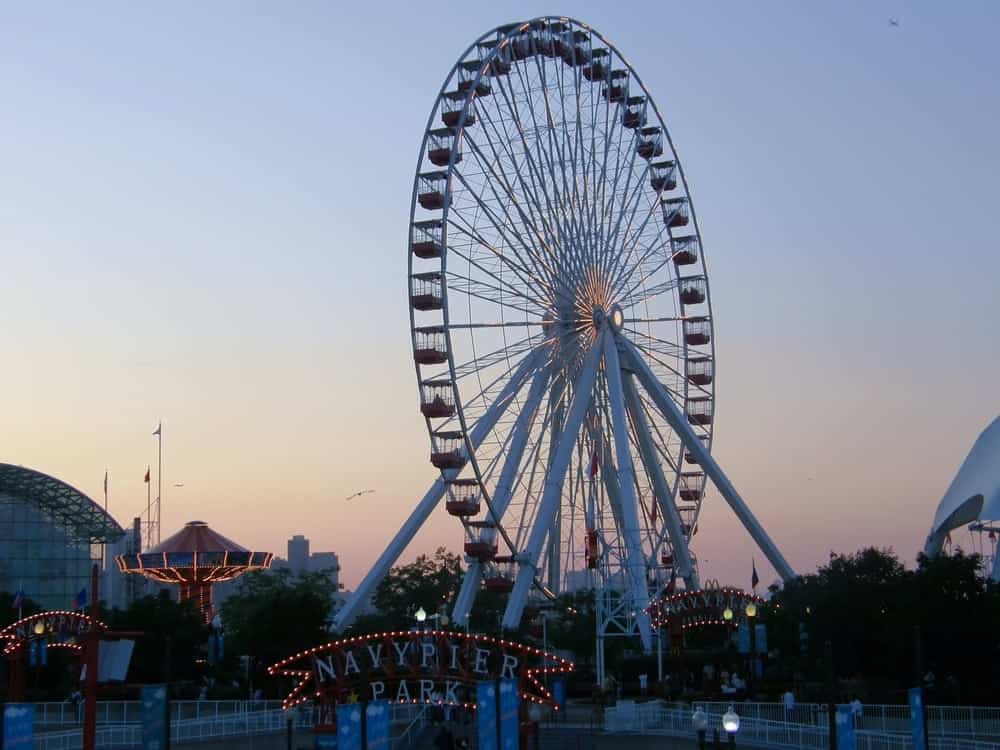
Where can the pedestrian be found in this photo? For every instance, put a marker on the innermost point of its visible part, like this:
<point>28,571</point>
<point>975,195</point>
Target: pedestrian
<point>856,710</point>
<point>788,698</point>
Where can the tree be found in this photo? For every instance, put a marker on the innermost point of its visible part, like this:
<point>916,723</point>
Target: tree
<point>428,582</point>
<point>172,641</point>
<point>274,614</point>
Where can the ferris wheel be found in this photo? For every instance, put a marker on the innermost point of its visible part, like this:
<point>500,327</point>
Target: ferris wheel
<point>562,327</point>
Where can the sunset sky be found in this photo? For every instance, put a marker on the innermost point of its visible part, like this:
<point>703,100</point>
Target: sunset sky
<point>203,219</point>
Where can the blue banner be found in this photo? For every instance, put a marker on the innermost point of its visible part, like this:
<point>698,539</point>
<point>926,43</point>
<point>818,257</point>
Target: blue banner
<point>349,726</point>
<point>760,631</point>
<point>845,729</point>
<point>18,726</point>
<point>377,725</point>
<point>743,638</point>
<point>154,717</point>
<point>559,693</point>
<point>916,696</point>
<point>486,715</point>
<point>510,719</point>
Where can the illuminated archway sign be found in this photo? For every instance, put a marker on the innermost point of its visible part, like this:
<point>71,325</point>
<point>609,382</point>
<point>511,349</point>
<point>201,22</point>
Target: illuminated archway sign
<point>701,607</point>
<point>411,667</point>
<point>64,626</point>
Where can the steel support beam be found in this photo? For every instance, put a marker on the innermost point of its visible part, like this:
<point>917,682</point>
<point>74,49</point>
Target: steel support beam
<point>678,421</point>
<point>430,500</point>
<point>504,488</point>
<point>664,498</point>
<point>583,393</point>
<point>635,563</point>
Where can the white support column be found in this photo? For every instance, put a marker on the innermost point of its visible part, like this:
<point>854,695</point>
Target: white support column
<point>557,411</point>
<point>664,499</point>
<point>677,420</point>
<point>631,534</point>
<point>583,393</point>
<point>504,488</point>
<point>420,514</point>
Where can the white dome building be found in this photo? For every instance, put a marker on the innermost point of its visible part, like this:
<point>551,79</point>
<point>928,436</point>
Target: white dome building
<point>974,494</point>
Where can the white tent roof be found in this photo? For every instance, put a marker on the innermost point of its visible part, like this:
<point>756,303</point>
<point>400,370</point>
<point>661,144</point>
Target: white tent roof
<point>974,494</point>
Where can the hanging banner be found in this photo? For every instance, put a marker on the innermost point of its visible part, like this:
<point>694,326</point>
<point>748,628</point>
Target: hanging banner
<point>18,726</point>
<point>377,725</point>
<point>486,715</point>
<point>845,729</point>
<point>349,726</point>
<point>743,638</point>
<point>510,703</point>
<point>559,693</point>
<point>761,635</point>
<point>154,717</point>
<point>917,727</point>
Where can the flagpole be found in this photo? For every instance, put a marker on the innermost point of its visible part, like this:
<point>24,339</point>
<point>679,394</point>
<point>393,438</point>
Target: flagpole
<point>149,511</point>
<point>159,476</point>
<point>104,552</point>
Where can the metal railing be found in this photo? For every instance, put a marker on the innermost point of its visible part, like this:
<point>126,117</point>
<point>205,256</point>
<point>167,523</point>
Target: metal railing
<point>232,724</point>
<point>656,718</point>
<point>67,714</point>
<point>972,722</point>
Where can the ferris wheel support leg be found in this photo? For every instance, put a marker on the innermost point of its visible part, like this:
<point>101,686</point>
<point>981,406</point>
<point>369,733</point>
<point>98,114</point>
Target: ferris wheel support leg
<point>583,393</point>
<point>403,537</point>
<point>668,510</point>
<point>557,410</point>
<point>420,514</point>
<point>504,488</point>
<point>678,421</point>
<point>634,558</point>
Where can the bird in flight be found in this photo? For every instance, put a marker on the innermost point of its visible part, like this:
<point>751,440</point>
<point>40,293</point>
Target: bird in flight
<point>358,494</point>
<point>178,484</point>
<point>893,22</point>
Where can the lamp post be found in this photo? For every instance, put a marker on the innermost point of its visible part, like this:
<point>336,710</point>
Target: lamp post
<point>731,723</point>
<point>699,720</point>
<point>751,611</point>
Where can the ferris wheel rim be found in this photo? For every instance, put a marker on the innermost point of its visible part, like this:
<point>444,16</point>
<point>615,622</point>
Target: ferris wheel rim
<point>509,32</point>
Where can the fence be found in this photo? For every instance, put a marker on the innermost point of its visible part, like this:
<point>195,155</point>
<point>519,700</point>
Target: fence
<point>970,722</point>
<point>231,724</point>
<point>656,718</point>
<point>111,713</point>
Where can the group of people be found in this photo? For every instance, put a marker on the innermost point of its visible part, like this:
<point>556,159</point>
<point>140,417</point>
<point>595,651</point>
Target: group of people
<point>729,683</point>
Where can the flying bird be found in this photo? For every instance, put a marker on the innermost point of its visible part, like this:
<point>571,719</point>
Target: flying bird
<point>358,494</point>
<point>178,484</point>
<point>893,22</point>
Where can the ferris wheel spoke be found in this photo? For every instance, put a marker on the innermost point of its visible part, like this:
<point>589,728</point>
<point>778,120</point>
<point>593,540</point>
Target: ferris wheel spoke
<point>553,227</point>
<point>582,396</point>
<point>485,361</point>
<point>516,200</point>
<point>630,298</point>
<point>529,277</point>
<point>556,204</point>
<point>622,270</point>
<point>538,215</point>
<point>476,237</point>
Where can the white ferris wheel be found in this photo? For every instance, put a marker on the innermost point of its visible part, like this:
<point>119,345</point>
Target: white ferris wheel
<point>562,328</point>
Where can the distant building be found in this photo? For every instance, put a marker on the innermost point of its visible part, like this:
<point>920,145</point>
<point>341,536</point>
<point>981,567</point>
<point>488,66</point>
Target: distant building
<point>298,554</point>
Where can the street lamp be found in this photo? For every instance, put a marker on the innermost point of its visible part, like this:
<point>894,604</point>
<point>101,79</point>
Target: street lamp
<point>420,614</point>
<point>731,723</point>
<point>727,614</point>
<point>699,720</point>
